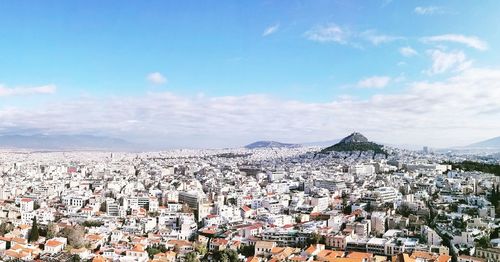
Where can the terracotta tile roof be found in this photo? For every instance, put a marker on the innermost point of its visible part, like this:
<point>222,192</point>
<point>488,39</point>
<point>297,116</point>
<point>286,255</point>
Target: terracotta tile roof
<point>220,241</point>
<point>6,239</point>
<point>327,254</point>
<point>78,250</point>
<point>246,208</point>
<point>310,249</point>
<point>422,254</point>
<point>252,259</point>
<point>179,243</point>
<point>99,259</point>
<point>298,258</point>
<point>444,258</point>
<point>93,237</point>
<point>53,243</point>
<point>359,255</point>
<point>24,226</point>
<point>138,248</point>
<point>12,253</point>
<point>345,259</point>
<point>19,240</point>
<point>276,250</point>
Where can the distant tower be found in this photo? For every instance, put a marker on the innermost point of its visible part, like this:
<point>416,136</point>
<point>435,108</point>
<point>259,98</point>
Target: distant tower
<point>426,150</point>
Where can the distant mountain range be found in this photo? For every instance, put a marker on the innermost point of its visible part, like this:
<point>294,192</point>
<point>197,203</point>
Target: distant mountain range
<point>489,143</point>
<point>355,142</point>
<point>64,142</point>
<point>270,144</point>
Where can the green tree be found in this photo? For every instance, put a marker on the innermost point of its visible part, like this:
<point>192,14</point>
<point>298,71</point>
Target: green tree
<point>483,242</point>
<point>404,210</point>
<point>34,234</point>
<point>232,201</point>
<point>313,239</point>
<point>75,236</point>
<point>454,207</point>
<point>247,251</point>
<point>103,207</point>
<point>191,257</point>
<point>369,207</point>
<point>226,255</point>
<point>75,258</point>
<point>232,255</point>
<point>346,207</point>
<point>495,233</point>
<point>5,228</point>
<point>200,248</point>
<point>51,230</point>
<point>152,251</point>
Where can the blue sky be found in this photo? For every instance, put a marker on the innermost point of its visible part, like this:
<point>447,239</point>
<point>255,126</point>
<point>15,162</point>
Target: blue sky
<point>217,61</point>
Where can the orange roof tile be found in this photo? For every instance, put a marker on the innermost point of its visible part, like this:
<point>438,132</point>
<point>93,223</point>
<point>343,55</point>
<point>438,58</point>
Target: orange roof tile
<point>99,259</point>
<point>359,255</point>
<point>444,258</point>
<point>53,243</point>
<point>138,248</point>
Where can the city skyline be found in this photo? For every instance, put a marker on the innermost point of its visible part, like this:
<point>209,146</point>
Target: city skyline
<point>222,74</point>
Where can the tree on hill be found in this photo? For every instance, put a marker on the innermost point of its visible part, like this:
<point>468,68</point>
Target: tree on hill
<point>5,227</point>
<point>34,234</point>
<point>346,206</point>
<point>314,239</point>
<point>152,251</point>
<point>103,207</point>
<point>51,230</point>
<point>75,236</point>
<point>200,248</point>
<point>226,255</point>
<point>247,250</point>
<point>191,257</point>
<point>75,258</point>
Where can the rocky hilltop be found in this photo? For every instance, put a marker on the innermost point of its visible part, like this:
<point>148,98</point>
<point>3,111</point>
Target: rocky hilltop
<point>355,142</point>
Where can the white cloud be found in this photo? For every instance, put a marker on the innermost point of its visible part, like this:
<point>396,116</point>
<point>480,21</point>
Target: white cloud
<point>428,10</point>
<point>156,78</point>
<point>376,38</point>
<point>341,35</point>
<point>25,91</point>
<point>407,51</point>
<point>471,41</point>
<point>328,33</point>
<point>447,61</point>
<point>271,30</point>
<point>455,111</point>
<point>374,82</point>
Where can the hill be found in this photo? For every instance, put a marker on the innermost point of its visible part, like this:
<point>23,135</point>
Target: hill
<point>489,143</point>
<point>355,142</point>
<point>269,144</point>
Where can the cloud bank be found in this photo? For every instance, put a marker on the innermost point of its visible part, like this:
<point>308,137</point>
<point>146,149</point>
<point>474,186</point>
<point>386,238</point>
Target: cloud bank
<point>456,111</point>
<point>26,91</point>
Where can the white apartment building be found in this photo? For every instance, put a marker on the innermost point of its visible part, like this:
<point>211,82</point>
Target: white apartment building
<point>378,222</point>
<point>320,202</point>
